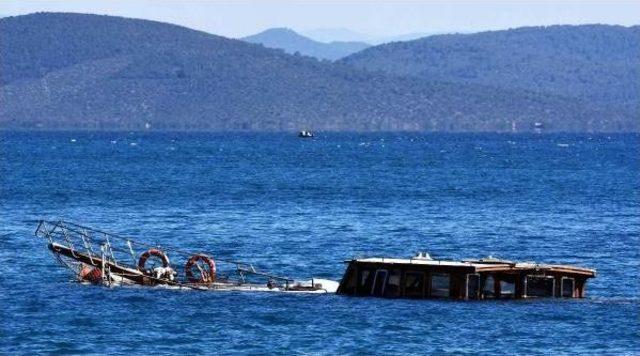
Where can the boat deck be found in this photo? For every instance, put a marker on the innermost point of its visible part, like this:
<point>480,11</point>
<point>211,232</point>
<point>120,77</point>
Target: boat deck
<point>477,266</point>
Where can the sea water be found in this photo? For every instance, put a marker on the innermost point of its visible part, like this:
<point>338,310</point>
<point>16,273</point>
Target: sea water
<point>300,207</point>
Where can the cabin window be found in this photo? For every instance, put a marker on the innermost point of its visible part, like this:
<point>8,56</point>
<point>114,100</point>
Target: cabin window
<point>568,286</point>
<point>365,280</point>
<point>507,288</point>
<point>440,283</point>
<point>379,283</point>
<point>413,284</point>
<point>473,286</point>
<point>540,286</point>
<point>364,275</point>
<point>488,289</point>
<point>392,289</point>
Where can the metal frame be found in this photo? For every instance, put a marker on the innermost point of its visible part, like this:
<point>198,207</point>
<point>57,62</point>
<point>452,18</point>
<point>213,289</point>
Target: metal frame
<point>403,282</point>
<point>483,283</point>
<point>526,285</point>
<point>384,282</point>
<point>74,245</point>
<point>431,275</point>
<point>573,287</point>
<point>466,285</point>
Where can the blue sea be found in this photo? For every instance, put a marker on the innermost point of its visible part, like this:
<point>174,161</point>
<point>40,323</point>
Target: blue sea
<point>300,207</point>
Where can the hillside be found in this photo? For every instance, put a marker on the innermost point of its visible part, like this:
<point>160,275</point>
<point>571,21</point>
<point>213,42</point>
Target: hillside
<point>72,71</point>
<point>291,42</point>
<point>596,63</point>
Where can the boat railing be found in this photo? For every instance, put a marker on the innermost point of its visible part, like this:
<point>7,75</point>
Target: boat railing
<point>103,248</point>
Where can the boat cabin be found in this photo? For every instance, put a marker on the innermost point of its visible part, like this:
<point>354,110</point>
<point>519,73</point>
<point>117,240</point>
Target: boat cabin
<point>423,277</point>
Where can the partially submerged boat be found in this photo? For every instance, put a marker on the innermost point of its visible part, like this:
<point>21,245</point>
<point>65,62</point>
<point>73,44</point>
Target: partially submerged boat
<point>99,257</point>
<point>489,278</point>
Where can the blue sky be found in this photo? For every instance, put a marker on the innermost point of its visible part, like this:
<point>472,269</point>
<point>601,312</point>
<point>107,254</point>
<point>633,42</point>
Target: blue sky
<point>370,18</point>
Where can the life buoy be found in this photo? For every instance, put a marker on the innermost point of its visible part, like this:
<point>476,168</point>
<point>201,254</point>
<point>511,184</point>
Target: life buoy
<point>152,252</point>
<point>205,276</point>
<point>93,275</point>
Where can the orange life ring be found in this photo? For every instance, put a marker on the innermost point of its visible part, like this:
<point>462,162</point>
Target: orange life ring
<point>152,252</point>
<point>205,276</point>
<point>93,275</point>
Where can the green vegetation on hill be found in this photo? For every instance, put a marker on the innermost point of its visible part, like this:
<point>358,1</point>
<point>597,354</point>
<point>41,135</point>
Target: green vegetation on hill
<point>596,63</point>
<point>72,71</point>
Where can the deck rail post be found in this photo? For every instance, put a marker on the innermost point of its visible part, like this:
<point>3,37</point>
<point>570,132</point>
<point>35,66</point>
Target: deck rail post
<point>102,249</point>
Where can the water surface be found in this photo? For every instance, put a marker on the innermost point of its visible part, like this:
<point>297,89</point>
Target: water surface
<point>300,207</point>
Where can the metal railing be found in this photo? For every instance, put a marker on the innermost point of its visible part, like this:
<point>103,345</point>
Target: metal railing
<point>105,250</point>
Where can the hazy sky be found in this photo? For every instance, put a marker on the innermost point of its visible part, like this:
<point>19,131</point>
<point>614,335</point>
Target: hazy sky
<point>375,18</point>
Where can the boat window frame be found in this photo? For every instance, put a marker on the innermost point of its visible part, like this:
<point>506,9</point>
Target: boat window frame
<point>512,294</point>
<point>526,286</point>
<point>423,285</point>
<point>390,273</point>
<point>466,286</point>
<point>573,287</point>
<point>361,285</point>
<point>493,286</point>
<point>375,280</point>
<point>439,274</point>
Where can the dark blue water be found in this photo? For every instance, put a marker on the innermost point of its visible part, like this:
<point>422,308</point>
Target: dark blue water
<point>298,208</point>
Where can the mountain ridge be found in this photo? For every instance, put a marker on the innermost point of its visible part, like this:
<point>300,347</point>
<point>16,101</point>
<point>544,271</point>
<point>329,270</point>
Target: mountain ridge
<point>70,71</point>
<point>292,42</point>
<point>597,63</point>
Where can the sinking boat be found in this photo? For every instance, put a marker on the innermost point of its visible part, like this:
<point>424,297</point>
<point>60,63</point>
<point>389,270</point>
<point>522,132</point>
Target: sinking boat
<point>98,257</point>
<point>489,278</point>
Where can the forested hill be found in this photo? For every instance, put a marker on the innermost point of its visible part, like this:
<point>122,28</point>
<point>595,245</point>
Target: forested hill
<point>597,63</point>
<point>73,71</point>
<point>292,42</point>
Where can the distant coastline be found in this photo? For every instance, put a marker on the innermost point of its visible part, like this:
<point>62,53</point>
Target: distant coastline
<point>319,134</point>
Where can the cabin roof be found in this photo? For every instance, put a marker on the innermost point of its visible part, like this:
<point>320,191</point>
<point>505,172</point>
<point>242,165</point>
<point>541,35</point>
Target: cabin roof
<point>481,265</point>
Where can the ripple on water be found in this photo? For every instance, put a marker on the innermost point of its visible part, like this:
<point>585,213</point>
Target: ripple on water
<point>299,209</point>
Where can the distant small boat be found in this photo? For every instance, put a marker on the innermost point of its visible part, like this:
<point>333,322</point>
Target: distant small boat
<point>538,127</point>
<point>305,134</point>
